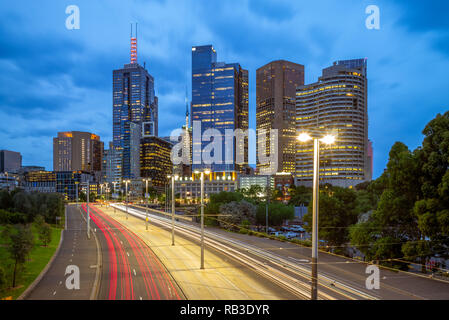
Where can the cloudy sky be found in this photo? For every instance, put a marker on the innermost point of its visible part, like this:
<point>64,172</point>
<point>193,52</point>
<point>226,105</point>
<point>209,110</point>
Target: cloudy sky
<point>53,79</point>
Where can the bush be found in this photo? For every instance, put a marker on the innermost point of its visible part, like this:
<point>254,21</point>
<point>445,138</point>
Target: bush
<point>7,217</point>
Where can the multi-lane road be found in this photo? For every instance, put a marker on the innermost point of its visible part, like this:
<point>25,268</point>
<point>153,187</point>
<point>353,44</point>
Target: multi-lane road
<point>287,263</point>
<point>115,265</point>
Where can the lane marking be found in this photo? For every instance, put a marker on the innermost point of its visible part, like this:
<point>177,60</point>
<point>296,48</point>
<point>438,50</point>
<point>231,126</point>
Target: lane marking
<point>134,270</point>
<point>54,293</point>
<point>127,253</point>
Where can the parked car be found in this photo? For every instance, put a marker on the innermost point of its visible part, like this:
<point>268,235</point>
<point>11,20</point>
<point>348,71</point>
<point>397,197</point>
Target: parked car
<point>290,235</point>
<point>297,228</point>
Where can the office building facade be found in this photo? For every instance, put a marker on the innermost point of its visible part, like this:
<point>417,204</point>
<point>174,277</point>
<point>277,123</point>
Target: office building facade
<point>336,104</point>
<point>155,161</point>
<point>112,165</point>
<point>10,161</point>
<point>276,84</point>
<point>219,101</point>
<point>77,151</point>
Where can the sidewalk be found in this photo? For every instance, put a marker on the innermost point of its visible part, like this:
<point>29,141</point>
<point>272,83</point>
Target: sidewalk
<point>222,278</point>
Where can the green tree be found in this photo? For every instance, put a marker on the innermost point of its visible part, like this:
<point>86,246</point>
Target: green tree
<point>45,234</point>
<point>21,243</point>
<point>300,195</point>
<point>337,212</point>
<point>235,214</point>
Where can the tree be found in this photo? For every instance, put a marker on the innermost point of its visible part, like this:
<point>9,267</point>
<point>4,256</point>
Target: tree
<point>277,213</point>
<point>337,212</point>
<point>300,195</point>
<point>45,234</point>
<point>2,278</point>
<point>21,243</point>
<point>235,214</point>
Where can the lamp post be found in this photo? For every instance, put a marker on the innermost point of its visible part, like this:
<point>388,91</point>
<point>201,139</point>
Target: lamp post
<point>328,139</point>
<point>146,208</point>
<point>267,204</point>
<point>126,195</point>
<point>173,177</point>
<point>202,215</point>
<point>76,184</point>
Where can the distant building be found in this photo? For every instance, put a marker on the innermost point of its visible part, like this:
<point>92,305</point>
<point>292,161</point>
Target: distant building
<point>77,151</point>
<point>10,161</point>
<point>155,161</point>
<point>39,181</point>
<point>246,181</point>
<point>188,188</point>
<point>276,84</point>
<point>336,104</point>
<point>112,166</point>
<point>219,101</point>
<point>65,183</point>
<point>25,169</point>
<point>8,181</point>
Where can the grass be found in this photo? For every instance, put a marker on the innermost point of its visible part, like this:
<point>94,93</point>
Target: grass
<point>38,259</point>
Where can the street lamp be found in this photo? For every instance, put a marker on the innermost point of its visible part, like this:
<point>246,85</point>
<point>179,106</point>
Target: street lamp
<point>148,199</point>
<point>126,195</point>
<point>76,184</point>
<point>202,214</point>
<point>327,139</point>
<point>173,177</point>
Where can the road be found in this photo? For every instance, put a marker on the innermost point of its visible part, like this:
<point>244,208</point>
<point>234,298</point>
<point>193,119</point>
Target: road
<point>76,249</point>
<point>131,271</point>
<point>339,277</point>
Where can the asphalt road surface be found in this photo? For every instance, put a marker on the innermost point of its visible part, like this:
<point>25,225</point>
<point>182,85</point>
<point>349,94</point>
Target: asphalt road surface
<point>131,271</point>
<point>76,250</point>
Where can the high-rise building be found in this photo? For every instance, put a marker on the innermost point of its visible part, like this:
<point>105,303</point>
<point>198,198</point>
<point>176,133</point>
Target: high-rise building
<point>155,161</point>
<point>219,101</point>
<point>112,165</point>
<point>337,103</point>
<point>276,84</point>
<point>77,151</point>
<point>10,161</point>
<point>134,104</point>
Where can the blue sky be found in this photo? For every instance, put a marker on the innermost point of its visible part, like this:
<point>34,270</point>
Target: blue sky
<point>53,79</point>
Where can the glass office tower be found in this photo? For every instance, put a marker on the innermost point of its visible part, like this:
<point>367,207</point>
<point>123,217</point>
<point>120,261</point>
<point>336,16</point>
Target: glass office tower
<point>134,107</point>
<point>338,104</point>
<point>219,101</point>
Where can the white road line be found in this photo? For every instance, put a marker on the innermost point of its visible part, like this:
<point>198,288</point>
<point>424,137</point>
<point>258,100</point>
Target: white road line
<point>134,270</point>
<point>54,293</point>
<point>127,253</point>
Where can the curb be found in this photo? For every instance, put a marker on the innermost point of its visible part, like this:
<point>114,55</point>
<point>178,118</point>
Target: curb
<point>44,271</point>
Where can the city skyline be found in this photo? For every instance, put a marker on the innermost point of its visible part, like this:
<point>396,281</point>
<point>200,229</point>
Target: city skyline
<point>404,92</point>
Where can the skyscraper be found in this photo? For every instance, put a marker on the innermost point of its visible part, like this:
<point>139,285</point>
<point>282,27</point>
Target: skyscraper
<point>276,84</point>
<point>219,101</point>
<point>336,103</point>
<point>135,109</point>
<point>77,151</point>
